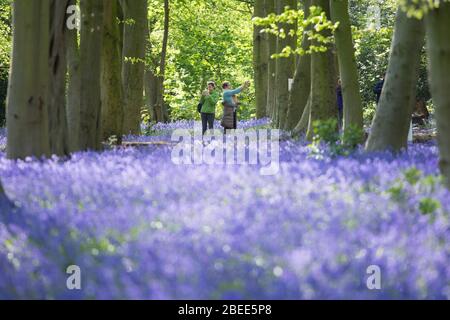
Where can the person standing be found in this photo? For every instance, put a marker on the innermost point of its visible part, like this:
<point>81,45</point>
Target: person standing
<point>378,89</point>
<point>209,100</point>
<point>229,120</point>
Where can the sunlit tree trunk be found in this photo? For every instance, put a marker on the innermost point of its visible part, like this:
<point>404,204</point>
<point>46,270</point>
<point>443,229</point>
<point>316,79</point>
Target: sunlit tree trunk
<point>353,112</point>
<point>160,107</point>
<point>260,61</point>
<point>301,86</point>
<point>58,132</point>
<point>73,88</point>
<point>438,45</point>
<point>271,71</point>
<point>393,117</point>
<point>135,16</point>
<point>111,90</point>
<point>323,81</point>
<point>285,66</point>
<point>90,59</point>
<point>27,102</point>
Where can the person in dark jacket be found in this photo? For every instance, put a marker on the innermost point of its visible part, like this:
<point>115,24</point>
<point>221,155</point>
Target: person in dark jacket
<point>340,101</point>
<point>378,89</point>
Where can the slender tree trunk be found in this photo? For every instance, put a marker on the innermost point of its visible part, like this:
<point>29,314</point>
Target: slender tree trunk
<point>73,88</point>
<point>58,131</point>
<point>285,66</point>
<point>438,45</point>
<point>90,55</point>
<point>111,90</point>
<point>151,92</point>
<point>353,112</point>
<point>133,62</point>
<point>27,102</point>
<point>393,117</point>
<point>323,80</point>
<point>302,125</point>
<point>160,107</point>
<point>271,70</point>
<point>260,61</point>
<point>301,87</point>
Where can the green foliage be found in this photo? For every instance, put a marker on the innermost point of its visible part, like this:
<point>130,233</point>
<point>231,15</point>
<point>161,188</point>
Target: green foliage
<point>429,205</point>
<point>413,176</point>
<point>208,41</point>
<point>326,134</point>
<point>312,27</point>
<point>5,50</point>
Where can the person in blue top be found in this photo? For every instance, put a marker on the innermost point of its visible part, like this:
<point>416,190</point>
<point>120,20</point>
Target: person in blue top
<point>340,102</point>
<point>229,97</point>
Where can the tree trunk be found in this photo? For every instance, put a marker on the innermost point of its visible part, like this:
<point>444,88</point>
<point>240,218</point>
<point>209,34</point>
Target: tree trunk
<point>133,63</point>
<point>285,66</point>
<point>438,46</point>
<point>323,81</point>
<point>111,90</point>
<point>302,125</point>
<point>73,88</point>
<point>393,117</point>
<point>151,92</point>
<point>301,87</point>
<point>27,102</point>
<point>90,55</point>
<point>58,132</point>
<point>160,107</point>
<point>353,112</point>
<point>271,67</point>
<point>260,61</point>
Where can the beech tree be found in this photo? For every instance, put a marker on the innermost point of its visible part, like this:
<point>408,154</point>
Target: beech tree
<point>90,59</point>
<point>393,117</point>
<point>438,47</point>
<point>353,111</point>
<point>133,55</point>
<point>28,88</point>
<point>73,86</point>
<point>301,86</point>
<point>285,66</point>
<point>271,67</point>
<point>260,61</point>
<point>58,132</point>
<point>112,114</point>
<point>323,79</point>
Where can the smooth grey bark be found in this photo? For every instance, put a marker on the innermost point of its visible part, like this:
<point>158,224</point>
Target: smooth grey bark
<point>301,87</point>
<point>438,47</point>
<point>302,125</point>
<point>27,101</point>
<point>160,106</point>
<point>260,61</point>
<point>90,63</point>
<point>348,69</point>
<point>58,131</point>
<point>285,66</point>
<point>111,88</point>
<point>323,81</point>
<point>135,16</point>
<point>393,117</point>
<point>271,71</point>
<point>73,88</point>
